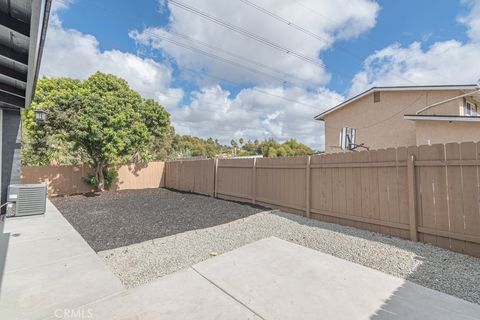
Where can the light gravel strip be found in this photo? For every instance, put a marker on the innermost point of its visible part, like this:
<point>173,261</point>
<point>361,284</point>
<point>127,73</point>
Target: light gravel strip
<point>429,266</point>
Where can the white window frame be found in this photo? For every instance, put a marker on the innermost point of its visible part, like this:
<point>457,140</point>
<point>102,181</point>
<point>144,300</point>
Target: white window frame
<point>470,109</point>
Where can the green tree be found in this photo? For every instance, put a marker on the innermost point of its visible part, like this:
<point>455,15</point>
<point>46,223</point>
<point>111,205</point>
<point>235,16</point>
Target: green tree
<point>196,146</point>
<point>271,152</point>
<point>101,117</point>
<point>271,148</point>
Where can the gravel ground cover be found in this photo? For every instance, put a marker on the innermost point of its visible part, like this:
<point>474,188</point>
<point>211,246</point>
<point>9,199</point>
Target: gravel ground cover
<point>145,234</point>
<point>119,218</point>
<point>429,266</point>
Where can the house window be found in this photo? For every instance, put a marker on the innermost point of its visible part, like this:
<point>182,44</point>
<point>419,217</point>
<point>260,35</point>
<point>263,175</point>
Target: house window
<point>376,97</point>
<point>469,108</point>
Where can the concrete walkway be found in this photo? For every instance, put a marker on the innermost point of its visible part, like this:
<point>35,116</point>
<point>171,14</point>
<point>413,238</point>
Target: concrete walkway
<point>51,273</point>
<point>48,268</point>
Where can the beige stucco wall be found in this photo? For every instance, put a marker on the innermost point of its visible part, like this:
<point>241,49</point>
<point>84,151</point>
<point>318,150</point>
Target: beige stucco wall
<point>432,132</point>
<point>381,125</point>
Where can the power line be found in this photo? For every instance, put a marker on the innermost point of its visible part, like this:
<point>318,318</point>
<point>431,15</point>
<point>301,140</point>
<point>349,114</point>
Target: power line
<point>307,32</point>
<point>287,99</point>
<point>209,102</point>
<point>225,60</point>
<point>258,90</point>
<point>203,43</point>
<point>234,83</point>
<point>405,107</point>
<point>235,55</point>
<point>211,55</point>
<point>217,57</point>
<point>323,16</point>
<point>238,83</point>
<point>246,33</point>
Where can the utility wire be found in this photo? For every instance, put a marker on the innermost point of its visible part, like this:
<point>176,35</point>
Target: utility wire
<point>247,33</point>
<point>236,55</point>
<point>217,57</point>
<point>285,98</point>
<point>212,56</point>
<point>206,53</point>
<point>374,124</point>
<point>257,90</point>
<point>307,32</point>
<point>203,43</point>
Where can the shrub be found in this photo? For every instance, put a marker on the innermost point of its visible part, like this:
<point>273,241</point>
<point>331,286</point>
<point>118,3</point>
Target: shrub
<point>110,175</point>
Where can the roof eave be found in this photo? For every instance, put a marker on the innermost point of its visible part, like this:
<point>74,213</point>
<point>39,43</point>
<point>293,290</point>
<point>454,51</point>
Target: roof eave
<point>39,24</point>
<point>395,88</point>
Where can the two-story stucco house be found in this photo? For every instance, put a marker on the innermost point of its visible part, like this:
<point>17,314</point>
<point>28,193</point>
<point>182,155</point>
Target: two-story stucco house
<point>385,117</point>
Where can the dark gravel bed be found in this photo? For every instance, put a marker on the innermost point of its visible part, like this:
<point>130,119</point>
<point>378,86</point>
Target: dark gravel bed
<point>119,218</point>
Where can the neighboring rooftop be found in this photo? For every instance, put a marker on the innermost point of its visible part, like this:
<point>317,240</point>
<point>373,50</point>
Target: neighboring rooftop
<point>23,25</point>
<point>396,88</point>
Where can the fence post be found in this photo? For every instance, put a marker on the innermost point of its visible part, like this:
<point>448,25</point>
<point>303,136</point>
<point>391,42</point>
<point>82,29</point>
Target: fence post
<point>254,181</point>
<point>412,211</point>
<point>215,178</point>
<point>177,179</point>
<point>163,180</point>
<point>307,188</point>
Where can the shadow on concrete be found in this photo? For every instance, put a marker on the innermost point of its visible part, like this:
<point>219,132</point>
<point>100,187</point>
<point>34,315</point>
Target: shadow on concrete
<point>410,301</point>
<point>4,241</point>
<point>438,269</point>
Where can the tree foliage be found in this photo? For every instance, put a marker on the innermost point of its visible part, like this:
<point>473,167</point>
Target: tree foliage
<point>100,119</point>
<point>191,146</point>
<point>103,122</point>
<point>271,148</point>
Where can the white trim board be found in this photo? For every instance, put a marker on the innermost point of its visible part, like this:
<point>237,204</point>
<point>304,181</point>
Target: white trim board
<point>441,118</point>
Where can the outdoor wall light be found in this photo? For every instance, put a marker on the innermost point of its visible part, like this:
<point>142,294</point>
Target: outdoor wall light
<point>40,115</point>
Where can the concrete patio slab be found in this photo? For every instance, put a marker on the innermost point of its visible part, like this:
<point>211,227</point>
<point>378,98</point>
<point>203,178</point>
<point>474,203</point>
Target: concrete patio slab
<point>49,267</point>
<point>281,280</point>
<point>275,279</point>
<point>182,295</point>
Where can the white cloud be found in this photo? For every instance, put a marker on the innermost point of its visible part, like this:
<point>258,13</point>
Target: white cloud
<point>70,53</point>
<point>444,62</point>
<point>351,18</point>
<point>255,115</point>
<point>213,111</point>
<point>472,20</point>
<point>251,114</point>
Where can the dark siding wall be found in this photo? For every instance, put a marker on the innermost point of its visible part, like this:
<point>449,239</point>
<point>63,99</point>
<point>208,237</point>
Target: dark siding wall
<point>10,150</point>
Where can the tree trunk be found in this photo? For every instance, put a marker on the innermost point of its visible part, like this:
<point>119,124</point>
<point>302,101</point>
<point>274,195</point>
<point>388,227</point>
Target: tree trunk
<point>100,177</point>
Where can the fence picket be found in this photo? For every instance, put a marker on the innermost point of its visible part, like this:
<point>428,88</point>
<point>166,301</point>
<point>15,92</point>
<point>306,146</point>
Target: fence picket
<point>426,193</point>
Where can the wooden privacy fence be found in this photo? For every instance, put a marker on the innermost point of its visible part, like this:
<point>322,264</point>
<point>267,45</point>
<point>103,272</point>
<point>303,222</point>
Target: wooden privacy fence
<point>427,193</point>
<point>67,180</point>
<point>191,175</point>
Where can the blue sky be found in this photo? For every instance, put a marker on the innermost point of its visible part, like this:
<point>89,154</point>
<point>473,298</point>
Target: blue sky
<point>362,43</point>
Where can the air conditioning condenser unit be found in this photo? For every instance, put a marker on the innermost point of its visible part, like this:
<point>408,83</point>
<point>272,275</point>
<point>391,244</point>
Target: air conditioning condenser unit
<point>26,199</point>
